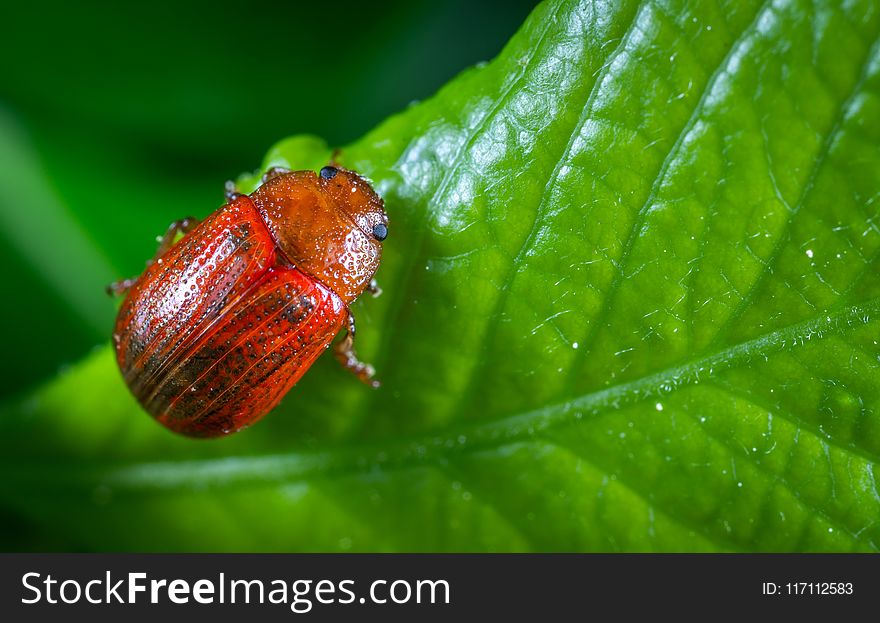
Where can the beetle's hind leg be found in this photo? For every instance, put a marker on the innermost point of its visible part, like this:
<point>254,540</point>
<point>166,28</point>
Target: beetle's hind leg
<point>167,240</point>
<point>344,351</point>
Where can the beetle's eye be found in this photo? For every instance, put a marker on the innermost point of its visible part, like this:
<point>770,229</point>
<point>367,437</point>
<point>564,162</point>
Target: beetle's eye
<point>380,232</point>
<point>328,173</point>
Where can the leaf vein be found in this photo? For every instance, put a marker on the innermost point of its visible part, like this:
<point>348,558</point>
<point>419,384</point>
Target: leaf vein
<point>670,157</point>
<point>479,372</point>
<point>399,299</point>
<point>818,164</point>
<point>781,480</point>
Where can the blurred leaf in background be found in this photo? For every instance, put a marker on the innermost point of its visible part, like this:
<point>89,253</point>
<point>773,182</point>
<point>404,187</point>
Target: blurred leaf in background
<point>631,303</point>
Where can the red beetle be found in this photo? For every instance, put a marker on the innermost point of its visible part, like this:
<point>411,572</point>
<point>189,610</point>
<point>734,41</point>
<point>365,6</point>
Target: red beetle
<point>225,321</point>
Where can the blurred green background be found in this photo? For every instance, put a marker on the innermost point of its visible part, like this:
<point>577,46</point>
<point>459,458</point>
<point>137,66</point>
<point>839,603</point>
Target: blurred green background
<point>116,119</point>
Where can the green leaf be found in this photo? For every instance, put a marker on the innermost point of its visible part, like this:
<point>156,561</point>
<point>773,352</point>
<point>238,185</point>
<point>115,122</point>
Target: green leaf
<point>631,303</point>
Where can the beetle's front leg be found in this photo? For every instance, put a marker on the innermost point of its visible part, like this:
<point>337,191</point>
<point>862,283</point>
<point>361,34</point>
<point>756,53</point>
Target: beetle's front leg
<point>230,191</point>
<point>120,287</point>
<point>273,172</point>
<point>345,354</point>
<point>183,226</point>
<point>374,288</point>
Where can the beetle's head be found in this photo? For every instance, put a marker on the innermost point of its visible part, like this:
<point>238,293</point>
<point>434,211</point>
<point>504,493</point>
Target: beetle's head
<point>330,225</point>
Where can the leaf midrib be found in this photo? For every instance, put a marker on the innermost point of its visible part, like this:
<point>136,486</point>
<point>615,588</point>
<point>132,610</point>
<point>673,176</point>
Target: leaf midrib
<point>424,450</point>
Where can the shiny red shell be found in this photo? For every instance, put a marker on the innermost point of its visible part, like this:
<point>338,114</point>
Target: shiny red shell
<point>220,327</point>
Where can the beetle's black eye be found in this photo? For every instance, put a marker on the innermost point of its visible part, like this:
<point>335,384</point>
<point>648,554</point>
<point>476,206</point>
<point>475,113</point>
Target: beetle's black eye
<point>328,173</point>
<point>380,232</point>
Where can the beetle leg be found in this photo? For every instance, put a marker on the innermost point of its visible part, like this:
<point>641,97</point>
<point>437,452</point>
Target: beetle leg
<point>272,172</point>
<point>374,288</point>
<point>345,354</point>
<point>120,287</point>
<point>230,191</point>
<point>182,226</point>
